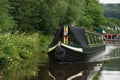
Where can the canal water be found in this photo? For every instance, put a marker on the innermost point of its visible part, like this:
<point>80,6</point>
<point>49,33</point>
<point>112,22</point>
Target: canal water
<point>105,66</point>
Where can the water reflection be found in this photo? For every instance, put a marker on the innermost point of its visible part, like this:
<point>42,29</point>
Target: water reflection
<point>67,71</point>
<point>70,71</point>
<point>18,70</point>
<point>110,75</point>
<point>111,70</point>
<point>111,66</point>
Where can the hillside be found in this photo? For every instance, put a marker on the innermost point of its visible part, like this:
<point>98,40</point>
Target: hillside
<point>112,10</point>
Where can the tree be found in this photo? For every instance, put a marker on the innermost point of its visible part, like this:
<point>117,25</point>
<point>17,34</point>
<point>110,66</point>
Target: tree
<point>47,15</point>
<point>93,14</point>
<point>74,12</point>
<point>6,20</point>
<point>42,15</point>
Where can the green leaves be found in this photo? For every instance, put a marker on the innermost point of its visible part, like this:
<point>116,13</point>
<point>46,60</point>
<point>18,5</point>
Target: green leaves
<point>93,14</point>
<point>6,21</point>
<point>46,16</point>
<point>74,12</point>
<point>18,46</point>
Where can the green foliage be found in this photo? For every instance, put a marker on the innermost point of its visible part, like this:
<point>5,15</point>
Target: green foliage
<point>74,12</point>
<point>14,47</point>
<point>93,14</point>
<point>42,15</point>
<point>19,70</point>
<point>46,15</point>
<point>52,15</point>
<point>6,21</point>
<point>112,25</point>
<point>112,22</point>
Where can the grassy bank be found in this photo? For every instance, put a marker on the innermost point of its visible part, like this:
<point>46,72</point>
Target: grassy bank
<point>17,47</point>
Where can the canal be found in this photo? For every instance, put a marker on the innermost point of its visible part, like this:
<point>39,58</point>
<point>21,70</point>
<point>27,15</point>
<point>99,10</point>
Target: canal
<point>105,66</point>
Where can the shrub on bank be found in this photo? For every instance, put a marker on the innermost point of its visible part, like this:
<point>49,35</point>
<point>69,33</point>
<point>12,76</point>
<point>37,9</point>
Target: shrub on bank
<point>16,46</point>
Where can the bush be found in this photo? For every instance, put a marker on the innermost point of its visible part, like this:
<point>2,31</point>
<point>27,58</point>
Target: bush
<point>22,46</point>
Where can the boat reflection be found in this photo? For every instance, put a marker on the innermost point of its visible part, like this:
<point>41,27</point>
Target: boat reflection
<point>67,71</point>
<point>71,71</point>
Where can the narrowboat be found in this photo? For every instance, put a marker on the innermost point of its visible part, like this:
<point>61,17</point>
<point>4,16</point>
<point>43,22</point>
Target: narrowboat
<point>111,37</point>
<point>74,44</point>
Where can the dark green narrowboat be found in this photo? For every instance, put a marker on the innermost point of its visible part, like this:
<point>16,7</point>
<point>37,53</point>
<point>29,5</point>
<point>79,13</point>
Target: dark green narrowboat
<point>74,44</point>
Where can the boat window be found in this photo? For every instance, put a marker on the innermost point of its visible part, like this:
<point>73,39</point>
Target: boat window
<point>109,36</point>
<point>88,37</point>
<point>114,36</point>
<point>100,38</point>
<point>105,35</point>
<point>93,38</point>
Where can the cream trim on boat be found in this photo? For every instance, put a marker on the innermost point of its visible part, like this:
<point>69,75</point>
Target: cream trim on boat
<point>67,46</point>
<point>52,48</point>
<point>72,48</point>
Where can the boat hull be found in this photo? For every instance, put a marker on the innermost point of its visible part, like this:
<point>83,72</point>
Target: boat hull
<point>68,55</point>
